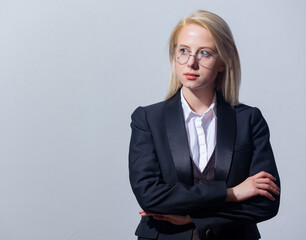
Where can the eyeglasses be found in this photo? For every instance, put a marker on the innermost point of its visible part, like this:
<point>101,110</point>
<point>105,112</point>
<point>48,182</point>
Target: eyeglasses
<point>181,55</point>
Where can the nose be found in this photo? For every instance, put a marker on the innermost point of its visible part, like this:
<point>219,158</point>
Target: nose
<point>193,62</point>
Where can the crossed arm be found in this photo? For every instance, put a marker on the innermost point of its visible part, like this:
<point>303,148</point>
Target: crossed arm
<point>260,184</point>
<point>250,201</point>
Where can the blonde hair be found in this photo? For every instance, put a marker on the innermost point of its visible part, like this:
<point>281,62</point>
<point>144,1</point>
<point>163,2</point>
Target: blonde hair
<point>228,81</point>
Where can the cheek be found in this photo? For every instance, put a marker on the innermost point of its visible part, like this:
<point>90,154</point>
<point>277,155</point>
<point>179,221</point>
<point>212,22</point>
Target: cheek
<point>212,72</point>
<point>219,66</point>
<point>179,70</point>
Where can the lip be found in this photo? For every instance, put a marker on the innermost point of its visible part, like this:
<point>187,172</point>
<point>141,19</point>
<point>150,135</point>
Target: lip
<point>191,76</point>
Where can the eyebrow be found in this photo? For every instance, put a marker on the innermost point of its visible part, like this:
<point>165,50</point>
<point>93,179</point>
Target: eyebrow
<point>183,45</point>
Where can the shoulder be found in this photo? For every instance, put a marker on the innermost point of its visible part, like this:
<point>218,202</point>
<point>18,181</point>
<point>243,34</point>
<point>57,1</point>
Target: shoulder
<point>145,116</point>
<point>149,109</point>
<point>252,116</point>
<point>246,111</point>
<point>156,110</point>
<point>242,111</point>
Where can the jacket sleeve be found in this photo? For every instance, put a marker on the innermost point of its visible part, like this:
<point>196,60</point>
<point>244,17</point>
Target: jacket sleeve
<point>152,192</point>
<point>258,208</point>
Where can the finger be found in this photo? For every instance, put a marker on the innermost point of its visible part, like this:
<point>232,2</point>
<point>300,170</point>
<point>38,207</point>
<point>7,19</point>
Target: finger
<point>159,217</point>
<point>166,218</point>
<point>270,183</point>
<point>146,214</point>
<point>172,216</point>
<point>173,219</point>
<point>264,174</point>
<point>266,194</point>
<point>268,188</point>
<point>143,211</point>
<point>176,217</point>
<point>267,181</point>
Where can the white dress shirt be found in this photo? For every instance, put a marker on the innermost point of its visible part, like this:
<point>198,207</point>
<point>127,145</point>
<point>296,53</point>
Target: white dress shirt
<point>201,132</point>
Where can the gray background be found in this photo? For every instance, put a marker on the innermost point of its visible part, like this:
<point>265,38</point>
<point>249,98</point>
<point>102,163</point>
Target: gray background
<point>72,72</point>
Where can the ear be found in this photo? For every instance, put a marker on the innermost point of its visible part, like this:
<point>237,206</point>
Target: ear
<point>221,67</point>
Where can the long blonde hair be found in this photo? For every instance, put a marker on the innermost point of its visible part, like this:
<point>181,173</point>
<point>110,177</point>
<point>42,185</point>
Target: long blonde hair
<point>228,81</point>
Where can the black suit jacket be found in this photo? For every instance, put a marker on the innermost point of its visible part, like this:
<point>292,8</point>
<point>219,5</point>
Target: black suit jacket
<point>162,179</point>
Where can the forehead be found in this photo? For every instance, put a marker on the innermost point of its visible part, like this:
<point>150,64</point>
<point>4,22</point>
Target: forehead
<point>195,36</point>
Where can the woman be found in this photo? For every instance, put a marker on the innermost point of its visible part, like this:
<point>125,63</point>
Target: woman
<point>201,165</point>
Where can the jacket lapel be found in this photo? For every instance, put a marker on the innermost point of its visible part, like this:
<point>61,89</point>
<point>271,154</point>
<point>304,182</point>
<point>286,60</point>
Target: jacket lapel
<point>178,141</point>
<point>226,131</point>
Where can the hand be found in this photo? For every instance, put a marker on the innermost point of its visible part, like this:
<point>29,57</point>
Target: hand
<point>261,184</point>
<point>174,219</point>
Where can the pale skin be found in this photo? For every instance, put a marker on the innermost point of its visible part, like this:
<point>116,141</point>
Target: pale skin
<point>199,92</point>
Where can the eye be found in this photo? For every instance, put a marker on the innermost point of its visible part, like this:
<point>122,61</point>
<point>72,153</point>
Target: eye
<point>204,53</point>
<point>183,51</point>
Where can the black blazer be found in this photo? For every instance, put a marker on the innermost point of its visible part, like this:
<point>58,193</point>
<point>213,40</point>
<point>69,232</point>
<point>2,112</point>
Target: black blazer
<point>161,173</point>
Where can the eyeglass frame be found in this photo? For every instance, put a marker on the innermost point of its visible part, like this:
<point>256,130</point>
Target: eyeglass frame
<point>193,55</point>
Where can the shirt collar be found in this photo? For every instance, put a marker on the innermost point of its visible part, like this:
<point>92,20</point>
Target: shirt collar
<point>188,112</point>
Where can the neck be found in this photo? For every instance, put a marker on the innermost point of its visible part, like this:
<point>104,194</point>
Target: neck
<point>199,100</point>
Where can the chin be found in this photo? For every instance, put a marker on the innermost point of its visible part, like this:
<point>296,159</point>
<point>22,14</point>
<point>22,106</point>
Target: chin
<point>191,84</point>
<point>196,86</point>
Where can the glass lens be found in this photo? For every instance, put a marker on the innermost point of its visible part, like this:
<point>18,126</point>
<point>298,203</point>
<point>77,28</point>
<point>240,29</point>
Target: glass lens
<point>181,55</point>
<point>205,58</point>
